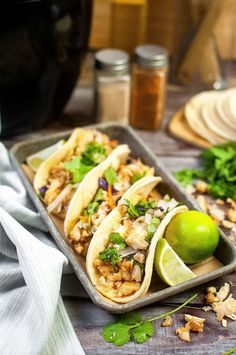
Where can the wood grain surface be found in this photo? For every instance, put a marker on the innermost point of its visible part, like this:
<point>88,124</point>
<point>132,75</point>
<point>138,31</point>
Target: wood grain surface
<point>88,319</point>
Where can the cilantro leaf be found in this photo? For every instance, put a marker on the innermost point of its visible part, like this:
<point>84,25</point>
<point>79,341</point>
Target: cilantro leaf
<point>186,176</point>
<point>140,208</point>
<point>130,318</point>
<point>152,227</point>
<point>116,333</point>
<point>110,176</point>
<point>142,332</point>
<point>77,169</point>
<point>118,239</point>
<point>137,177</point>
<point>111,255</point>
<point>93,154</point>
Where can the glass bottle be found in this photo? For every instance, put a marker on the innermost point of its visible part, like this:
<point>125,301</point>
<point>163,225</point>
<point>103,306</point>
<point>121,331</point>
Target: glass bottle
<point>112,85</point>
<point>148,89</point>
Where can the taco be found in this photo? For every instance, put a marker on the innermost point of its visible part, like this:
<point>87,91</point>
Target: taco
<point>99,193</point>
<point>121,254</point>
<point>58,176</point>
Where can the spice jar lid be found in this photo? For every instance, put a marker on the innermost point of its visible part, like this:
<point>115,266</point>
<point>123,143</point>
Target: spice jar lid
<point>150,55</point>
<point>111,60</point>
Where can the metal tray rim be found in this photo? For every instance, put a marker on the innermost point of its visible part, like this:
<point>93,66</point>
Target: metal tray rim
<point>81,274</point>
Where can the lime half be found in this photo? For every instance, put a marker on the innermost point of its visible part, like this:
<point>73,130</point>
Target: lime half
<point>35,160</point>
<point>170,268</point>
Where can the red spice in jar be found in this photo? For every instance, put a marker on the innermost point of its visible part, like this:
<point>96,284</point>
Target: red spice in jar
<point>148,88</point>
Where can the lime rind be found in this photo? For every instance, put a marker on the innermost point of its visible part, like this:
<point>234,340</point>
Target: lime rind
<point>35,160</point>
<point>170,268</point>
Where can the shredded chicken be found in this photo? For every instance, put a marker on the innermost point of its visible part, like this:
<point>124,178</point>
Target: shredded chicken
<point>167,322</point>
<point>183,333</point>
<point>127,288</point>
<point>195,324</point>
<point>222,303</point>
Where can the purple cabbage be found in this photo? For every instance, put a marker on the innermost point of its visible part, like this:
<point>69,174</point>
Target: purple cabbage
<point>42,190</point>
<point>104,185</point>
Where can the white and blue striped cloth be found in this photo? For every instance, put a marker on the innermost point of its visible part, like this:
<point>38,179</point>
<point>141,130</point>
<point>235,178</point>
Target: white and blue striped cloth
<point>33,319</point>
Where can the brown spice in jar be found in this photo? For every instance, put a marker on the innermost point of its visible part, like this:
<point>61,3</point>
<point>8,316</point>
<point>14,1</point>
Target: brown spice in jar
<point>147,97</point>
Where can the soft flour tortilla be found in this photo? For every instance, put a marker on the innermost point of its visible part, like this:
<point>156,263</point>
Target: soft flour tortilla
<point>79,137</point>
<point>101,239</point>
<point>226,108</point>
<point>192,112</point>
<point>90,184</point>
<point>214,121</point>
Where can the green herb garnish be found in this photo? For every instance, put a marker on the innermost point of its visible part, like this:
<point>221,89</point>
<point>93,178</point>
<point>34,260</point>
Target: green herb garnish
<point>186,176</point>
<point>111,255</point>
<point>140,208</point>
<point>78,169</point>
<point>152,227</point>
<point>99,196</point>
<point>118,239</point>
<point>110,176</point>
<point>131,327</point>
<point>93,154</point>
<point>137,177</point>
<point>219,171</point>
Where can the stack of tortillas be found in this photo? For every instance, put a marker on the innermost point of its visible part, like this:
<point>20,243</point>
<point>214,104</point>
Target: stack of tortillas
<point>207,118</point>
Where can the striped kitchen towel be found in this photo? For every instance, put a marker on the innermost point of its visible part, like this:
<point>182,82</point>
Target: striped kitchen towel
<point>33,319</point>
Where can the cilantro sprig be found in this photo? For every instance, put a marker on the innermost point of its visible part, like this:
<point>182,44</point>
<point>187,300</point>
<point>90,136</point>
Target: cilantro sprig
<point>93,154</point>
<point>131,326</point>
<point>111,255</point>
<point>219,171</point>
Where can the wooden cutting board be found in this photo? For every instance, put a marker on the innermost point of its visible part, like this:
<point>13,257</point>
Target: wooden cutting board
<point>179,128</point>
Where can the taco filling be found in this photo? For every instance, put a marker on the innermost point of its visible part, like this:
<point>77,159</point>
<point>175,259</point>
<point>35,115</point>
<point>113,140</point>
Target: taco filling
<point>65,177</point>
<point>112,186</point>
<point>120,267</point>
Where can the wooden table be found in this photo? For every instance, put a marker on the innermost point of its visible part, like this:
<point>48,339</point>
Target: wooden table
<point>88,319</point>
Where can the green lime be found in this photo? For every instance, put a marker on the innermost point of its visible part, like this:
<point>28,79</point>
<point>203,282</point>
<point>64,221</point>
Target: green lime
<point>193,235</point>
<point>169,266</point>
<point>34,163</point>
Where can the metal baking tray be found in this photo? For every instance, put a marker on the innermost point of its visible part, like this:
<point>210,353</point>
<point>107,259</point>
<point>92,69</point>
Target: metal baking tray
<point>225,252</point>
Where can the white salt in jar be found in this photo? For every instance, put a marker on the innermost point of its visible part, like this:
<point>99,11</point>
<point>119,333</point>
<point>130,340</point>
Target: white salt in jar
<point>112,85</point>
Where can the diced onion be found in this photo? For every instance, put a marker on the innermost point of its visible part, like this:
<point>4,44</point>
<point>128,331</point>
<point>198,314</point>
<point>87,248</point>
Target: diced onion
<point>59,199</point>
<point>127,251</point>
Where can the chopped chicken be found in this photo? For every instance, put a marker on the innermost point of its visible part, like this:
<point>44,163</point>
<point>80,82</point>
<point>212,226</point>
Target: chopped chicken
<point>201,186</point>
<point>225,308</point>
<point>201,200</point>
<point>139,257</point>
<point>227,224</point>
<point>136,274</point>
<point>183,333</point>
<point>136,237</point>
<point>232,215</point>
<point>195,324</point>
<point>216,213</point>
<point>167,322</point>
<point>222,306</point>
<point>223,292</point>
<point>127,288</point>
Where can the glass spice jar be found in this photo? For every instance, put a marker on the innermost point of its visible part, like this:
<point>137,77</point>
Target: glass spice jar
<point>148,89</point>
<point>112,85</point>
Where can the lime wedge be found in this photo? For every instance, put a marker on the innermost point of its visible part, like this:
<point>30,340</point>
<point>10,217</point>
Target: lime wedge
<point>35,160</point>
<point>170,268</point>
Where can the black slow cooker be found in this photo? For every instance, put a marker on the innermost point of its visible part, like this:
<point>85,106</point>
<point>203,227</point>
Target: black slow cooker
<point>42,43</point>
